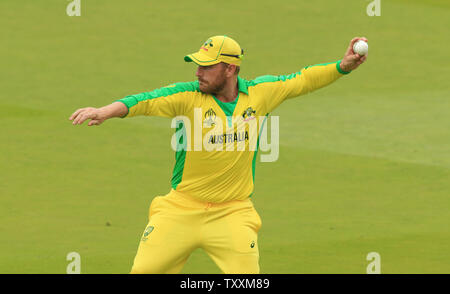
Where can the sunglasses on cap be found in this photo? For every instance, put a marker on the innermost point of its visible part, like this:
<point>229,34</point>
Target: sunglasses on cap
<point>234,55</point>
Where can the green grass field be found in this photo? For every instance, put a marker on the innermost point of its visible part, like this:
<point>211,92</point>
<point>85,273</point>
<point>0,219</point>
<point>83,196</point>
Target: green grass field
<point>364,164</point>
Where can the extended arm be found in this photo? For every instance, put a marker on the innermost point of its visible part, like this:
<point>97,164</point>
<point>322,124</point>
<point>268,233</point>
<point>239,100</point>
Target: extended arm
<point>168,101</point>
<point>310,78</point>
<point>315,77</point>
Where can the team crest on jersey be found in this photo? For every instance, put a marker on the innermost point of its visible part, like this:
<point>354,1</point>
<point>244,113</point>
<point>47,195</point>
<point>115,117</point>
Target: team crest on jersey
<point>248,114</point>
<point>147,232</point>
<point>210,118</point>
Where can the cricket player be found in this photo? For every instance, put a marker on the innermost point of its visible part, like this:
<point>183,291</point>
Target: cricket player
<point>209,203</point>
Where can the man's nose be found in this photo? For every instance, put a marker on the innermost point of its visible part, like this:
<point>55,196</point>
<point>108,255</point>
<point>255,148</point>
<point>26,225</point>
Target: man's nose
<point>198,73</point>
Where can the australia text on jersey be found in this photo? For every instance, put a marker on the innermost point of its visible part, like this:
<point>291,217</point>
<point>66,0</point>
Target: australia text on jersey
<point>238,133</point>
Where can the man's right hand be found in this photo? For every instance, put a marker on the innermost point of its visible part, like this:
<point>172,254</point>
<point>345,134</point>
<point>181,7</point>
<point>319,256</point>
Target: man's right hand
<point>94,114</point>
<point>98,115</point>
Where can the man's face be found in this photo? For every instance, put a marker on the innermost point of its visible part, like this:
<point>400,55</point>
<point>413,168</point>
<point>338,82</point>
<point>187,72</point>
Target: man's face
<point>212,78</point>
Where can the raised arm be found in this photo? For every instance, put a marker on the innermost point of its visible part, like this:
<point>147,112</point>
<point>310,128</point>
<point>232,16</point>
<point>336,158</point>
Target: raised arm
<point>98,115</point>
<point>277,89</point>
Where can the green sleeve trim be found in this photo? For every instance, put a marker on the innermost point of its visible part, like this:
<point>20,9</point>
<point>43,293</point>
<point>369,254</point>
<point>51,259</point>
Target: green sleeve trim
<point>127,101</point>
<point>338,67</point>
<point>272,78</point>
<point>128,109</point>
<point>320,64</point>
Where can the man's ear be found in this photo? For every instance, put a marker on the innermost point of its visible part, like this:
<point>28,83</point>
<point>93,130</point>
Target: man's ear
<point>231,70</point>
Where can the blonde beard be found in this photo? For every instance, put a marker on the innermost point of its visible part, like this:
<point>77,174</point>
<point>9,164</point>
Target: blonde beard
<point>214,89</point>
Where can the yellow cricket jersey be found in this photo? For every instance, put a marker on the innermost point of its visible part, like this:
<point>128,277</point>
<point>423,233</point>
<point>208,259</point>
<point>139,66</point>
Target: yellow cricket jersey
<point>217,142</point>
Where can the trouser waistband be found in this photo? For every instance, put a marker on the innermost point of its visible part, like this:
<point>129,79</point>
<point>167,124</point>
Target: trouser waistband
<point>189,201</point>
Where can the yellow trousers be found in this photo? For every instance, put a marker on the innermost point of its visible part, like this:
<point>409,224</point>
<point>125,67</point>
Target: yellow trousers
<point>179,224</point>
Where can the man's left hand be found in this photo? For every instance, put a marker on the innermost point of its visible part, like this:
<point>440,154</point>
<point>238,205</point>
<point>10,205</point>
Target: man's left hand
<point>352,60</point>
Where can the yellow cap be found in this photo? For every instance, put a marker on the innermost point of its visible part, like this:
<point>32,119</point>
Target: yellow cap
<point>217,49</point>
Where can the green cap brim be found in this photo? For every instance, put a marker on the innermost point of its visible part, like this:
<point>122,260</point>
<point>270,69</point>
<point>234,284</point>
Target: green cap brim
<point>200,59</point>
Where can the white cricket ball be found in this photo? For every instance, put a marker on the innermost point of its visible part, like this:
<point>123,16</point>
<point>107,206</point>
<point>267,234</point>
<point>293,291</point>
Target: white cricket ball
<point>361,47</point>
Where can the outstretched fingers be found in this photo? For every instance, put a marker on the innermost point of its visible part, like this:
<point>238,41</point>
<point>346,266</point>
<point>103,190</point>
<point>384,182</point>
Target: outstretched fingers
<point>81,117</point>
<point>76,113</point>
<point>82,114</point>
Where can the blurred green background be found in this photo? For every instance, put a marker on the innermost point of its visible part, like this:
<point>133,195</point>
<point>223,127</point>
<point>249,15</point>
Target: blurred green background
<point>364,164</point>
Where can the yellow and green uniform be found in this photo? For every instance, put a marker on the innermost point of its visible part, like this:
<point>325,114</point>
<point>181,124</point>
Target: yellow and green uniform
<point>218,176</point>
<point>215,181</point>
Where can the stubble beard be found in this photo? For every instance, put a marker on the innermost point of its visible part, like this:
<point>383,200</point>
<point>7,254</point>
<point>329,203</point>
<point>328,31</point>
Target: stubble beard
<point>213,88</point>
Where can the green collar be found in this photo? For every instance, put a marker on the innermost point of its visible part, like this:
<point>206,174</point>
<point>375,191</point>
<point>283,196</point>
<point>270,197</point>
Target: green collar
<point>242,85</point>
